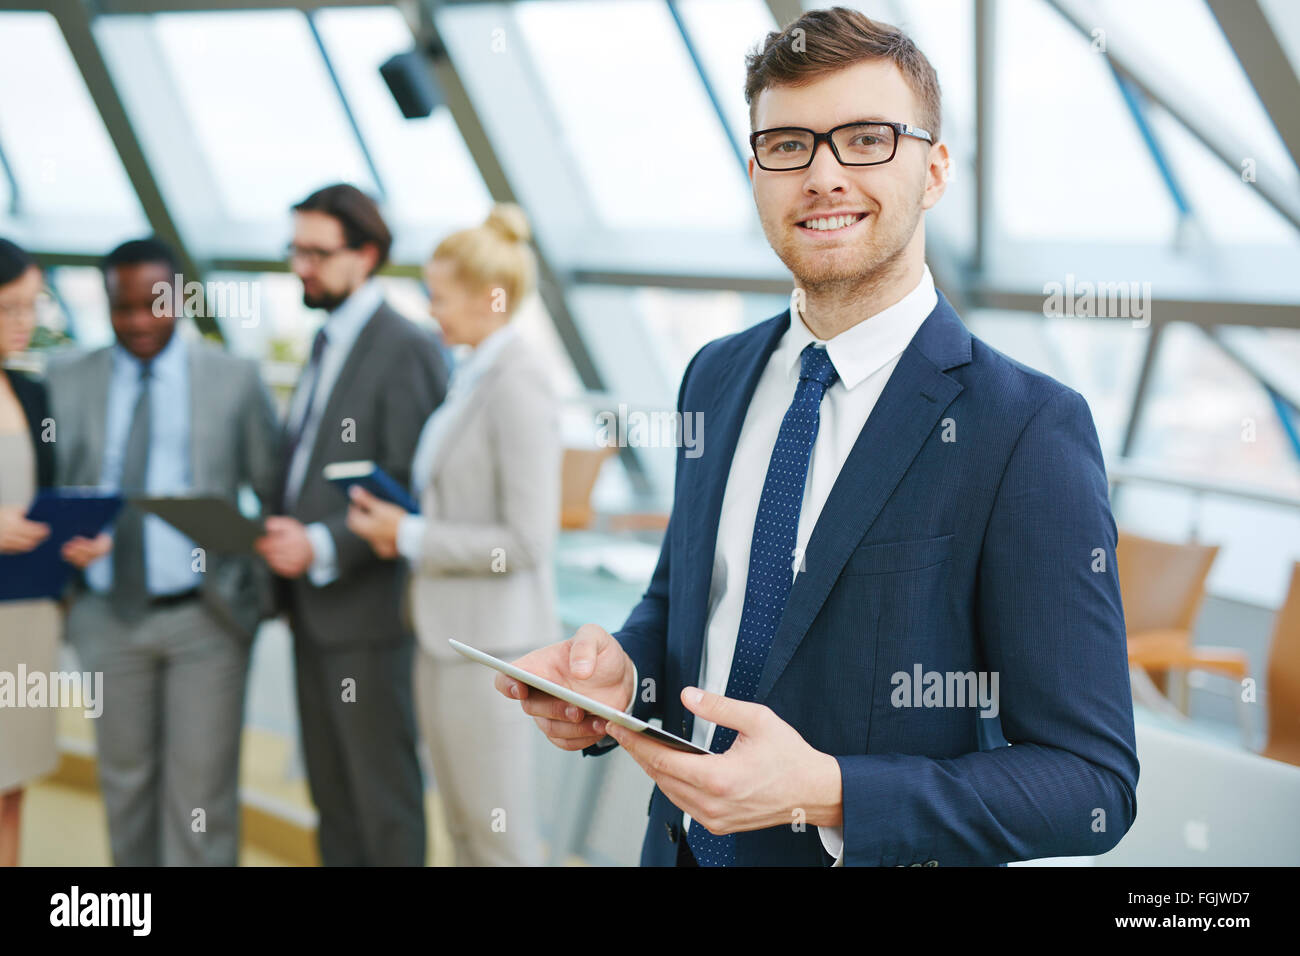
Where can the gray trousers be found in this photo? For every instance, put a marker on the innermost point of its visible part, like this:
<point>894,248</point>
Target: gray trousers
<point>359,747</point>
<point>481,747</point>
<point>168,738</point>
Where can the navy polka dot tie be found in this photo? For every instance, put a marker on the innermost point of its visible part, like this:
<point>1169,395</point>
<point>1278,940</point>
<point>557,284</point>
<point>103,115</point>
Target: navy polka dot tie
<point>772,564</point>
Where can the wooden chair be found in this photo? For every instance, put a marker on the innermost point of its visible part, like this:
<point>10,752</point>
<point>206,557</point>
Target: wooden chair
<point>1162,586</point>
<point>1284,679</point>
<point>579,471</point>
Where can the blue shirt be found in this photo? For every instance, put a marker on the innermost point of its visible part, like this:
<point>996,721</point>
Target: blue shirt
<point>168,554</point>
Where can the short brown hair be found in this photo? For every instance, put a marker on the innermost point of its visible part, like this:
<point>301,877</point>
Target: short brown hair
<point>356,212</point>
<point>823,41</point>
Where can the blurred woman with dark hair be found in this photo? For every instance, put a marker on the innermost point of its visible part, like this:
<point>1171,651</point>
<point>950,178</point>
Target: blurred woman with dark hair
<point>29,630</point>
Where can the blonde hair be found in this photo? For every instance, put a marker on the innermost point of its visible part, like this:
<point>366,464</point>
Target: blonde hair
<point>495,255</point>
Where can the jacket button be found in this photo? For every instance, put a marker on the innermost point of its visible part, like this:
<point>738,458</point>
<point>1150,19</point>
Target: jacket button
<point>672,831</point>
<point>683,726</point>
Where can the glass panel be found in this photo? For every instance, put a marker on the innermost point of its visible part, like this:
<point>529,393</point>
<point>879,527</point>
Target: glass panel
<point>1226,208</point>
<point>1206,414</point>
<point>1202,70</point>
<point>724,32</point>
<point>430,180</point>
<point>644,136</point>
<point>1099,358</point>
<point>1257,541</point>
<point>263,107</point>
<point>81,290</point>
<point>55,143</point>
<point>1284,17</point>
<point>1053,175</point>
<point>1274,352</point>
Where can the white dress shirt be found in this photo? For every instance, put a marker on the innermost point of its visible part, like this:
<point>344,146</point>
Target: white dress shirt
<point>864,356</point>
<point>438,427</point>
<point>341,330</point>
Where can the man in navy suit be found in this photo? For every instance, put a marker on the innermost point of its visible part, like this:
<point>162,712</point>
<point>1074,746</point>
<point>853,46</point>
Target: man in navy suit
<point>886,601</point>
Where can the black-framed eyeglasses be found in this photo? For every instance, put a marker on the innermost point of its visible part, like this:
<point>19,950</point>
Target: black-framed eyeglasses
<point>311,255</point>
<point>853,144</point>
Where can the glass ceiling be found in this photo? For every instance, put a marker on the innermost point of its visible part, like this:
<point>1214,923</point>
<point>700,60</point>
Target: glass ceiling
<point>620,126</point>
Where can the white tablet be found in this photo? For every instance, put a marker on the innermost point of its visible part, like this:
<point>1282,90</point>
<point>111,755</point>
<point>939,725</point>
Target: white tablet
<point>591,706</point>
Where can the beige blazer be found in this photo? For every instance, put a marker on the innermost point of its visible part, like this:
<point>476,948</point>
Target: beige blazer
<point>486,573</point>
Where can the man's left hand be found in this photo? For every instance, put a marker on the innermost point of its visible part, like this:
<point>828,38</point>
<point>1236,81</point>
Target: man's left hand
<point>768,777</point>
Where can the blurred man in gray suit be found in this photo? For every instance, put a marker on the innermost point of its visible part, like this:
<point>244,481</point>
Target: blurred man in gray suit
<point>372,380</point>
<point>169,626</point>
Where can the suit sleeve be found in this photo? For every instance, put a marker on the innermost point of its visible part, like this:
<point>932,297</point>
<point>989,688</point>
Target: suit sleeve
<point>644,635</point>
<point>414,384</point>
<point>1051,626</point>
<point>525,436</point>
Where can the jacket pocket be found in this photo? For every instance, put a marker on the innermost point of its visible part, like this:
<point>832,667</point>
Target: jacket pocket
<point>893,556</point>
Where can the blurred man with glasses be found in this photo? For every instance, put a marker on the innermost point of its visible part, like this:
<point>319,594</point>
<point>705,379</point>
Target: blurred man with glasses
<point>890,519</point>
<point>372,380</point>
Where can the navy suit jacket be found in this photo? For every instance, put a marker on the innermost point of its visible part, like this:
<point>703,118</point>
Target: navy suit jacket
<point>969,530</point>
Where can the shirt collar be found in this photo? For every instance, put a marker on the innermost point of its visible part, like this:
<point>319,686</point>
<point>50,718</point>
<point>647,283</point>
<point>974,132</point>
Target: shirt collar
<point>163,365</point>
<point>860,351</point>
<point>346,322</point>
<point>480,359</point>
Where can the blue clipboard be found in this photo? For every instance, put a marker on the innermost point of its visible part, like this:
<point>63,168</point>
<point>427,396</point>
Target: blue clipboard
<point>70,513</point>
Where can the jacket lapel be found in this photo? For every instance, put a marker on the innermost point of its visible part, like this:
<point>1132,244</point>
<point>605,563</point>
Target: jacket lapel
<point>471,406</point>
<point>200,418</point>
<point>728,402</point>
<point>917,394</point>
<point>98,373</point>
<point>332,415</point>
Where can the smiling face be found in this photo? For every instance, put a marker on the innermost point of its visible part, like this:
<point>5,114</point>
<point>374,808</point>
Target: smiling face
<point>142,318</point>
<point>840,226</point>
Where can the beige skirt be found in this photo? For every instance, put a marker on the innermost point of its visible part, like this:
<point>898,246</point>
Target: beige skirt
<point>29,636</point>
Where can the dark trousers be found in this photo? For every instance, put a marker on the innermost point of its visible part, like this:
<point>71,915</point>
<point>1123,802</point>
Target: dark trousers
<point>357,721</point>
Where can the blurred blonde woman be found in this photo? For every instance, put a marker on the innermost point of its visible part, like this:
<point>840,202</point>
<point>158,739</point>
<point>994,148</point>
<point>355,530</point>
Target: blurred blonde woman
<point>486,474</point>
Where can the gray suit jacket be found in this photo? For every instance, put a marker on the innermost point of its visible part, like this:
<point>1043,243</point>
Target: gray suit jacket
<point>392,380</point>
<point>486,573</point>
<point>234,441</point>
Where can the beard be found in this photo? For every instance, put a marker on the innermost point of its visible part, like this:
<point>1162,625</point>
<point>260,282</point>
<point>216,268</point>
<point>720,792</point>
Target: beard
<point>329,301</point>
<point>867,263</point>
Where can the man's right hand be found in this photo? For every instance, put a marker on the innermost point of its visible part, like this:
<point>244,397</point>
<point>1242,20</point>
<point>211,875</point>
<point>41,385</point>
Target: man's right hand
<point>591,663</point>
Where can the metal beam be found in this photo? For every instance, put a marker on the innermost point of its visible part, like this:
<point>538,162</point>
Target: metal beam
<point>1289,391</point>
<point>1201,312</point>
<point>1141,389</point>
<point>75,22</point>
<point>346,106</point>
<point>1265,63</point>
<point>224,6</point>
<point>709,91</point>
<point>985,65</point>
<point>683,281</point>
<point>1212,137</point>
<point>15,196</point>
<point>785,12</point>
